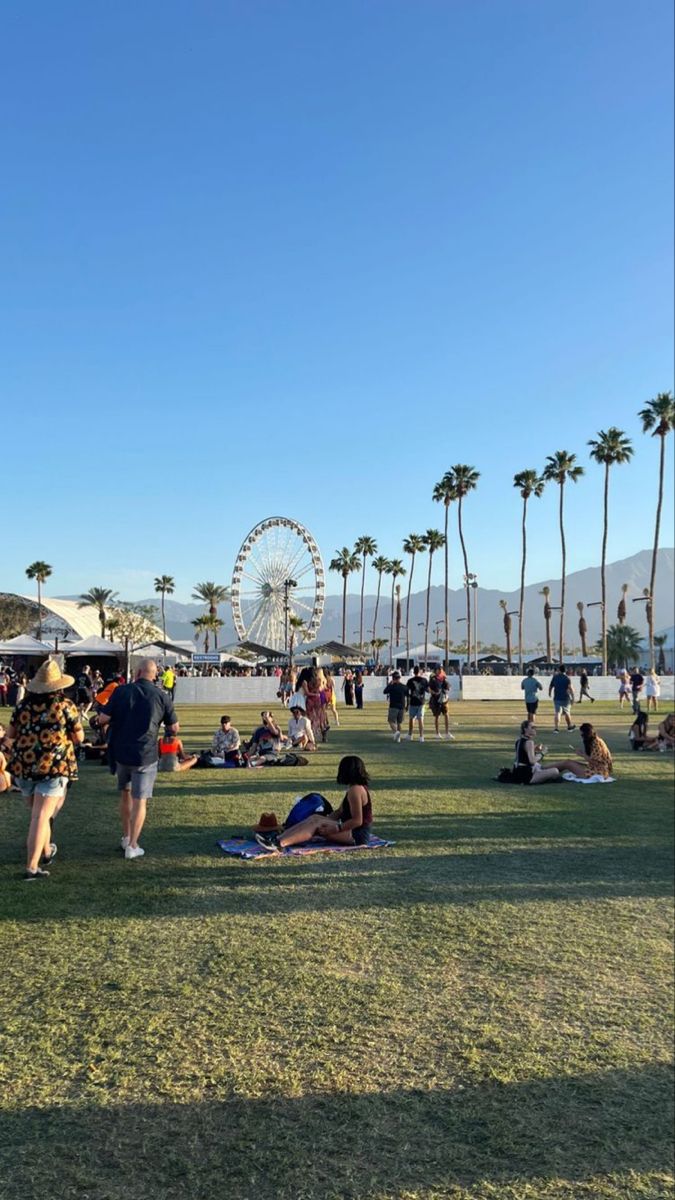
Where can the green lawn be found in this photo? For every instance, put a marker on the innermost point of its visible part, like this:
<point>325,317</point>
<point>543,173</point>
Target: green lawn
<point>483,1011</point>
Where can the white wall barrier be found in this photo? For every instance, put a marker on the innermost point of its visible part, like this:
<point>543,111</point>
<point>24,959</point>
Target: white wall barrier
<point>263,689</point>
<point>507,687</point>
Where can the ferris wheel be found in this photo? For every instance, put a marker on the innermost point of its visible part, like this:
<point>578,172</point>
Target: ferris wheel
<point>278,574</point>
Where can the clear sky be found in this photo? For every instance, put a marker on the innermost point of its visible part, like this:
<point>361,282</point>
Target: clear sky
<point>300,258</point>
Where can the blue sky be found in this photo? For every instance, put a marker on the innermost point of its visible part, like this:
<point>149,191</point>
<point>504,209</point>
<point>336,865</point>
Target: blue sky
<point>301,258</point>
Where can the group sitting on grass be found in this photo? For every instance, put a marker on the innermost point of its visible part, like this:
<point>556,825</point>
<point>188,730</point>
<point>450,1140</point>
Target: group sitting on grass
<point>529,768</point>
<point>642,740</point>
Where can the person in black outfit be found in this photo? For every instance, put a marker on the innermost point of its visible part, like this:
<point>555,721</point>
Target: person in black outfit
<point>526,765</point>
<point>397,694</point>
<point>349,826</point>
<point>418,686</point>
<point>135,713</point>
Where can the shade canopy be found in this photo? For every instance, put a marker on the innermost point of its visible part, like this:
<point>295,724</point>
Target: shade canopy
<point>337,650</point>
<point>26,645</point>
<point>94,647</point>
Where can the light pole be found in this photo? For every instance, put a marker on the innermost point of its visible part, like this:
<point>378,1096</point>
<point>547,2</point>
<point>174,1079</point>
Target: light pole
<point>288,584</point>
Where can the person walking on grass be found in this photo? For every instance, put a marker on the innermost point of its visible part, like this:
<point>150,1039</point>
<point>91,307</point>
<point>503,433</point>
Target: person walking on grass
<point>43,732</point>
<point>439,702</point>
<point>397,694</point>
<point>583,687</point>
<point>135,713</point>
<point>349,826</point>
<point>637,681</point>
<point>563,698</point>
<point>418,686</point>
<point>530,687</point>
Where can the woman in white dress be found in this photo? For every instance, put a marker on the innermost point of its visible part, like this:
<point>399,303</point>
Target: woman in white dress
<point>652,690</point>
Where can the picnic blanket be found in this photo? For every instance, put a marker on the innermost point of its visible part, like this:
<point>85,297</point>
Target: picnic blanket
<point>571,778</point>
<point>243,847</point>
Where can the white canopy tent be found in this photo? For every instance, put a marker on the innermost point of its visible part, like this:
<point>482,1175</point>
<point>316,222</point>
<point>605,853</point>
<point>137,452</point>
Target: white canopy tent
<point>94,647</point>
<point>26,645</point>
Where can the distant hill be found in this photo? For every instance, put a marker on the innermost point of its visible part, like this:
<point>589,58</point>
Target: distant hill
<point>581,585</point>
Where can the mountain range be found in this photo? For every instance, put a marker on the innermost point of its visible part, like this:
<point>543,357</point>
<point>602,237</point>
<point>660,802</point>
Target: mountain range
<point>581,585</point>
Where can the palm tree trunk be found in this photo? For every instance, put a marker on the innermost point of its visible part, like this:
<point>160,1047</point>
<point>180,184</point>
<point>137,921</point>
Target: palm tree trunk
<point>407,612</point>
<point>101,617</point>
<point>391,643</point>
<point>446,612</point>
<point>163,618</point>
<point>508,644</point>
<point>603,567</point>
<point>426,618</point>
<point>562,582</point>
<point>344,610</point>
<point>521,603</point>
<point>652,577</point>
<point>39,611</point>
<point>548,638</point>
<point>363,584</point>
<point>206,641</point>
<point>377,604</point>
<point>466,583</point>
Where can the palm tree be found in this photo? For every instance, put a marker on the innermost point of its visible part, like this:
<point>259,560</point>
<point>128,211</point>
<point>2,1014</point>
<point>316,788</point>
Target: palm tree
<point>394,569</point>
<point>546,592</point>
<point>621,610</point>
<point>464,479</point>
<point>658,416</point>
<point>507,628</point>
<point>377,644</point>
<point>165,585</point>
<point>40,572</point>
<point>366,547</point>
<point>444,493</point>
<point>381,565</point>
<point>529,484</point>
<point>296,628</point>
<point>660,640</point>
<point>414,544</point>
<point>611,446</point>
<point>344,563</point>
<point>583,630</point>
<point>433,540</point>
<point>203,625</point>
<point>211,594</point>
<point>560,467</point>
<point>98,597</point>
<point>624,645</point>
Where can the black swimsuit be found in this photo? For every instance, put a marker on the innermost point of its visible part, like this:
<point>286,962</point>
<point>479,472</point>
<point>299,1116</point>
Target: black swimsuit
<point>362,832</point>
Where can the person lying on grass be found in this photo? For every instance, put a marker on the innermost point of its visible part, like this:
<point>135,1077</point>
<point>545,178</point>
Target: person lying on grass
<point>596,759</point>
<point>349,826</point>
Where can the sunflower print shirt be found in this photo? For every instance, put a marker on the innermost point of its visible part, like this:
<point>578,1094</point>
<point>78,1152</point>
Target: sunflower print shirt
<point>42,747</point>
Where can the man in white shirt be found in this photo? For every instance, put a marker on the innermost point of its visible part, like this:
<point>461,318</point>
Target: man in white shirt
<point>300,729</point>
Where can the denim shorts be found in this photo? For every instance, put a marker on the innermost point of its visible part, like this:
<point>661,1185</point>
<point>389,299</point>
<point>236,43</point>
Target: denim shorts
<point>416,712</point>
<point>141,780</point>
<point>43,787</point>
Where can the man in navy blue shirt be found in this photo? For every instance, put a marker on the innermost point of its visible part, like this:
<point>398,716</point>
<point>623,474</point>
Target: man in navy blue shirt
<point>563,698</point>
<point>135,713</point>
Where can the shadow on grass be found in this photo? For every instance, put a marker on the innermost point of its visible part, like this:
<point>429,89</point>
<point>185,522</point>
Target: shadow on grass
<point>570,1128</point>
<point>158,887</point>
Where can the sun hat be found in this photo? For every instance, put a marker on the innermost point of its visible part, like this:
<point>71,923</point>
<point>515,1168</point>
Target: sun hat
<point>268,823</point>
<point>48,678</point>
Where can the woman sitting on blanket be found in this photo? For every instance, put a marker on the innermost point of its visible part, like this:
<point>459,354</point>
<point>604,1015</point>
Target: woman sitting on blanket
<point>349,826</point>
<point>596,760</point>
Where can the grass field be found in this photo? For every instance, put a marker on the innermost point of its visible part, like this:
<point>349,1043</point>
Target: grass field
<point>483,1011</point>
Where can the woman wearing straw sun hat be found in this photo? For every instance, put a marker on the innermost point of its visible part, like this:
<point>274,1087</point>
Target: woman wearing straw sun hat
<point>44,729</point>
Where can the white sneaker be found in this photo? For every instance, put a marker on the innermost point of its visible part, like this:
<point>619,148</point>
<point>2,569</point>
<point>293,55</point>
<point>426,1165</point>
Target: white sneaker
<point>422,738</point>
<point>124,842</point>
<point>134,852</point>
<point>438,737</point>
<point>449,737</point>
<point>407,737</point>
<point>397,737</point>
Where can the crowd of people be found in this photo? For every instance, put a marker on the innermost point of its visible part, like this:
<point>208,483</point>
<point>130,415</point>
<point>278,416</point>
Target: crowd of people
<point>133,728</point>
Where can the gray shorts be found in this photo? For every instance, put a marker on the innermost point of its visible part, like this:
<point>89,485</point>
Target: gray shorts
<point>395,716</point>
<point>416,712</point>
<point>561,707</point>
<point>141,780</point>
